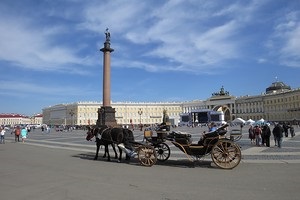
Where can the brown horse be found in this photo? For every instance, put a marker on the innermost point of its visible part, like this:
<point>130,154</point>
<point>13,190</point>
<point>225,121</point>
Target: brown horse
<point>110,136</point>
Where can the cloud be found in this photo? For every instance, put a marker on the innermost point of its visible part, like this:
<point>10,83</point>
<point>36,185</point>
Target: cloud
<point>117,15</point>
<point>180,35</point>
<point>184,47</point>
<point>285,41</point>
<point>36,48</point>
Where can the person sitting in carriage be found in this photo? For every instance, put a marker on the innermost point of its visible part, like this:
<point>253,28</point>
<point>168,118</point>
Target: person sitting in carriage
<point>213,132</point>
<point>212,127</point>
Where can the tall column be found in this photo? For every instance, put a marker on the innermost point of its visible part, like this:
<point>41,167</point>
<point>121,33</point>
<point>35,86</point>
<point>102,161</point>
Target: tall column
<point>106,114</point>
<point>106,73</point>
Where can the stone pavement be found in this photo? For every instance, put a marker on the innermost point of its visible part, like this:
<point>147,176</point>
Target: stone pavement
<point>67,171</point>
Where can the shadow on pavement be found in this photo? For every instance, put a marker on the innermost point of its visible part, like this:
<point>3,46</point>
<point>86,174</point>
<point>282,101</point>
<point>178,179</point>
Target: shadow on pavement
<point>183,163</point>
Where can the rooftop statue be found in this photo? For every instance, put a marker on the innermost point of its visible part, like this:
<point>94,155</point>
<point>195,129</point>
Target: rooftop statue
<point>221,93</point>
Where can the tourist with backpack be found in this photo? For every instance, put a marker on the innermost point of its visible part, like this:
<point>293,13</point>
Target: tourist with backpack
<point>17,134</point>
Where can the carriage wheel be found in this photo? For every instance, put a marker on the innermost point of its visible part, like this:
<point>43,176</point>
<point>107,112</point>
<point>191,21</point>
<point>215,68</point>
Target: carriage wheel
<point>226,154</point>
<point>162,151</point>
<point>147,155</point>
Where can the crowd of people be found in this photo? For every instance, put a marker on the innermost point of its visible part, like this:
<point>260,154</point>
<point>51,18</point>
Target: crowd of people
<point>17,131</point>
<point>260,134</point>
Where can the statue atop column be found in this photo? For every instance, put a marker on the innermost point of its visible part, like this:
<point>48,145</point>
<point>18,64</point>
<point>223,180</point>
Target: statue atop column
<point>107,35</point>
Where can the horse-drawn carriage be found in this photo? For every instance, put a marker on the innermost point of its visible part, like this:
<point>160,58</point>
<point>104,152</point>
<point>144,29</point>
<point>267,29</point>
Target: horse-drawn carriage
<point>225,153</point>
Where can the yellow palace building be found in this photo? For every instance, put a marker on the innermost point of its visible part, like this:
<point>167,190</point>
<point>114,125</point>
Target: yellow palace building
<point>278,103</point>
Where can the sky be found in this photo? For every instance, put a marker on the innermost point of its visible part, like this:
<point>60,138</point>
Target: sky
<point>164,50</point>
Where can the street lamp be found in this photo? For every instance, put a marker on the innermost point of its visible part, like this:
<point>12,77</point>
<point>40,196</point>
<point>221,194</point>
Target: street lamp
<point>140,112</point>
<point>72,114</point>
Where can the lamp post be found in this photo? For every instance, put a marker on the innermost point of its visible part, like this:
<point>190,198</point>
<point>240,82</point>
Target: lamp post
<point>72,114</point>
<point>140,112</point>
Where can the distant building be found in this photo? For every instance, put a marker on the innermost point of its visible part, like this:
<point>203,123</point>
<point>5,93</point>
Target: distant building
<point>14,119</point>
<point>37,119</point>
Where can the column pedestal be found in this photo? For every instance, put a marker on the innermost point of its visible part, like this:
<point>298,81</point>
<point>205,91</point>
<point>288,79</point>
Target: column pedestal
<point>106,116</point>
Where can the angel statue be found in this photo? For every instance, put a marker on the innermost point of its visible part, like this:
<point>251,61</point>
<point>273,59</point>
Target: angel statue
<point>107,35</point>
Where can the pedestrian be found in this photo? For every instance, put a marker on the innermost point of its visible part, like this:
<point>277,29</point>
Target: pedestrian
<point>263,142</point>
<point>48,129</point>
<point>17,134</point>
<point>2,129</point>
<point>278,134</point>
<point>251,134</point>
<point>275,139</point>
<point>24,134</point>
<point>257,132</point>
<point>266,135</point>
<point>292,131</point>
<point>285,129</point>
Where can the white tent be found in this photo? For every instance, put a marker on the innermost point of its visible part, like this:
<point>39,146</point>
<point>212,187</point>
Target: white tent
<point>260,122</point>
<point>250,122</point>
<point>239,120</point>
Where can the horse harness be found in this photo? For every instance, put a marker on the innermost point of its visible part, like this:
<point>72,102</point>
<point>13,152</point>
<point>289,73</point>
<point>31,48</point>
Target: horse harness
<point>109,133</point>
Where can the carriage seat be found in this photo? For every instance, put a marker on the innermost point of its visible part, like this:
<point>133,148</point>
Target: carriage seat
<point>181,137</point>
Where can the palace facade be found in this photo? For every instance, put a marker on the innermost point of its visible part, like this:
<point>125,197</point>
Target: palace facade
<point>85,113</point>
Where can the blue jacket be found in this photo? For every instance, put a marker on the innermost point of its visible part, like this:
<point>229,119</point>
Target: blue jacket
<point>24,132</point>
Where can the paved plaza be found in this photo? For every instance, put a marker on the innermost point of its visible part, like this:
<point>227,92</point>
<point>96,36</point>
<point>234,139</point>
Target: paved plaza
<point>60,165</point>
<point>75,140</point>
